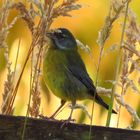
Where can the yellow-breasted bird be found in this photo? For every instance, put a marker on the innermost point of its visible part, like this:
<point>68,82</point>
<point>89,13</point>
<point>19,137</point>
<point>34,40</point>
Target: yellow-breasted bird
<point>64,71</point>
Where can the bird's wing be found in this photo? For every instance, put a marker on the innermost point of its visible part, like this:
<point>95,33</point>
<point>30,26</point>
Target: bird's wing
<point>77,68</point>
<point>82,76</point>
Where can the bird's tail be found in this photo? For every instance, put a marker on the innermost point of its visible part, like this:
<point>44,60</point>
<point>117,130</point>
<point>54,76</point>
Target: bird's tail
<point>99,100</point>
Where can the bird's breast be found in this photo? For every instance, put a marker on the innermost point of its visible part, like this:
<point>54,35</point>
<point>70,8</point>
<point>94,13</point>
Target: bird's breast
<point>58,79</point>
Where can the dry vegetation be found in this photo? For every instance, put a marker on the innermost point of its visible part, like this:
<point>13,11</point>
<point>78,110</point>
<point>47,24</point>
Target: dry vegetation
<point>127,60</point>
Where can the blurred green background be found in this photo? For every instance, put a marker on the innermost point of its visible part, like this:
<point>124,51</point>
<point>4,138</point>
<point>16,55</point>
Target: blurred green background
<point>85,25</point>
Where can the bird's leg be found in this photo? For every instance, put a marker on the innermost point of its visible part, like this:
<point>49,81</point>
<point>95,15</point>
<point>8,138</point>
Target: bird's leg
<point>72,108</point>
<point>62,104</point>
<point>70,116</point>
<point>54,114</point>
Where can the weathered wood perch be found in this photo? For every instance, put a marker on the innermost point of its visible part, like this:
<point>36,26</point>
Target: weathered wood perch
<point>38,129</point>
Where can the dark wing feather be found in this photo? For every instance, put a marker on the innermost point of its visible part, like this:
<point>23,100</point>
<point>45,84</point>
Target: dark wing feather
<point>77,69</point>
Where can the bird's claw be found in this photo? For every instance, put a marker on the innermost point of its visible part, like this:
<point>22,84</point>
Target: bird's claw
<point>47,118</point>
<point>65,122</point>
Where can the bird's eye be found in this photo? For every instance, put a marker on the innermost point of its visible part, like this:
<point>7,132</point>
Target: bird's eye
<point>58,33</point>
<point>61,35</point>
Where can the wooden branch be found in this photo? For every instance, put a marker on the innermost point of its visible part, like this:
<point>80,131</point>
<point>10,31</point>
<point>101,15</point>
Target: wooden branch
<point>38,129</point>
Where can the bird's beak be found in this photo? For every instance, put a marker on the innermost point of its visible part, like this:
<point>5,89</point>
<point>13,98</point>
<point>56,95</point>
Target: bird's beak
<point>49,37</point>
<point>49,34</point>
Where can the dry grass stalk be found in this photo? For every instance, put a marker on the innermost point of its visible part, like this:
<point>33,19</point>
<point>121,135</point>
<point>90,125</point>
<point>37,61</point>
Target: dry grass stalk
<point>130,59</point>
<point>132,112</point>
<point>46,12</point>
<point>8,88</point>
<point>4,31</point>
<point>129,65</point>
<point>120,100</point>
<point>34,108</point>
<point>25,14</point>
<point>130,62</point>
<point>115,11</point>
<point>86,48</point>
<point>35,87</point>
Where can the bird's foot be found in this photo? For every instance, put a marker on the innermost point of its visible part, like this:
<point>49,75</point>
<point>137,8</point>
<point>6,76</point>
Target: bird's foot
<point>65,122</point>
<point>47,118</point>
<point>43,117</point>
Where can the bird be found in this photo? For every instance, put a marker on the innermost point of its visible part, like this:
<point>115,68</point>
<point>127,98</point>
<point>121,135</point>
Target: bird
<point>65,73</point>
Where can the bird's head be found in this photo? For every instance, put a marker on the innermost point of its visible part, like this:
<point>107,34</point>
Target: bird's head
<point>62,38</point>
